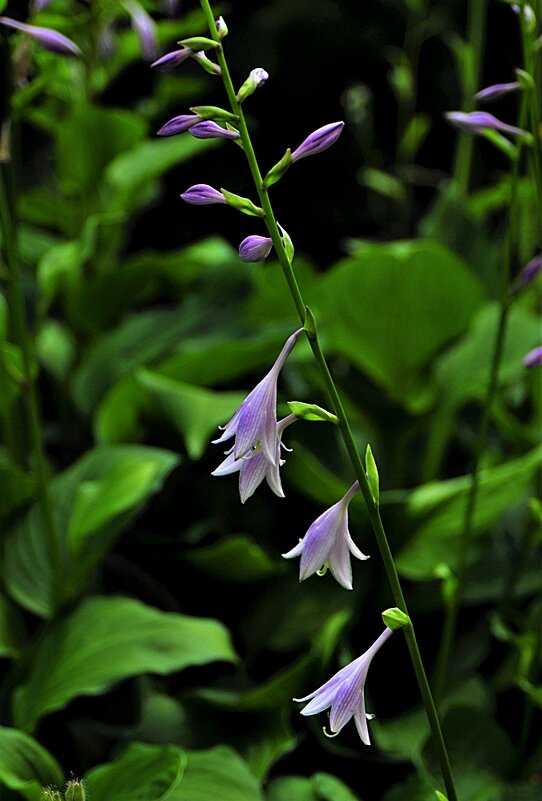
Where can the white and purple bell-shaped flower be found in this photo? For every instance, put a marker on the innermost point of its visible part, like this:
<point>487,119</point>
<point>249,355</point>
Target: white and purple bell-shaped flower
<point>328,541</point>
<point>253,469</point>
<point>254,424</point>
<point>344,693</point>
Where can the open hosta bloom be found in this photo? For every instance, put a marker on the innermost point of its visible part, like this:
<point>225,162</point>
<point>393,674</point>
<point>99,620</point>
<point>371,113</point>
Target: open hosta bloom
<point>344,693</point>
<point>328,541</point>
<point>253,469</point>
<point>254,424</point>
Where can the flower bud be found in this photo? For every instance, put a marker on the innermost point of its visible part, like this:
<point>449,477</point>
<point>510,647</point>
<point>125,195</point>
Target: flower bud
<point>533,358</point>
<point>395,619</point>
<point>256,79</point>
<point>75,790</point>
<point>498,90</point>
<point>202,195</point>
<point>318,140</point>
<point>51,794</point>
<point>172,59</point>
<point>478,122</point>
<point>206,64</point>
<point>530,272</point>
<point>46,37</point>
<point>221,28</point>
<point>312,412</point>
<point>178,125</point>
<point>210,130</point>
<point>144,27</point>
<point>255,248</point>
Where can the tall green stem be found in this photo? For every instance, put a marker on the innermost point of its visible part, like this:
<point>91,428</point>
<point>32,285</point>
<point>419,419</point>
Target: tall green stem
<point>344,425</point>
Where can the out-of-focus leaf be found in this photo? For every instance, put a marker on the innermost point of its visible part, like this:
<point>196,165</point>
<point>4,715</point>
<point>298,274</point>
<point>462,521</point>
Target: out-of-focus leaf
<point>25,766</point>
<point>383,183</point>
<point>142,773</point>
<point>10,628</point>
<point>321,787</point>
<point>17,486</point>
<point>93,501</point>
<point>414,134</point>
<point>217,773</point>
<point>106,640</point>
<point>271,740</point>
<point>55,347</point>
<point>235,558</point>
<point>439,508</point>
<point>142,338</point>
<point>194,411</point>
<point>410,283</point>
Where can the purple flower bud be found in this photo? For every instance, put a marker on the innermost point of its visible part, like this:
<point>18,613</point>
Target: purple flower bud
<point>46,37</point>
<point>221,28</point>
<point>203,195</point>
<point>491,93</point>
<point>210,130</point>
<point>533,358</point>
<point>39,5</point>
<point>106,43</point>
<point>145,29</point>
<point>257,77</point>
<point>178,125</point>
<point>477,122</point>
<point>170,60</point>
<point>255,248</point>
<point>171,7</point>
<point>530,272</point>
<point>318,140</point>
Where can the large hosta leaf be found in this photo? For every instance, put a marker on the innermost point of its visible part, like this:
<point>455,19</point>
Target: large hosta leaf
<point>109,639</point>
<point>25,765</point>
<point>218,774</point>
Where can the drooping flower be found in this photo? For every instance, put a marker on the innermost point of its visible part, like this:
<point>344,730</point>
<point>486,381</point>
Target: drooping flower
<point>498,90</point>
<point>48,38</point>
<point>344,693</point>
<point>172,59</point>
<point>203,195</point>
<point>318,140</point>
<point>533,358</point>
<point>144,27</point>
<point>254,468</point>
<point>328,541</point>
<point>478,122</point>
<point>178,125</point>
<point>255,248</point>
<point>254,424</point>
<point>211,130</point>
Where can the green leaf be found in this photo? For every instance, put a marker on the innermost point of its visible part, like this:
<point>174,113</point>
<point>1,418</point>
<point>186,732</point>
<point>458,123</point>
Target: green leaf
<point>55,346</point>
<point>310,411</point>
<point>383,183</point>
<point>235,558</point>
<point>219,774</point>
<point>330,788</point>
<point>197,43</point>
<point>10,628</point>
<point>214,113</point>
<point>17,486</point>
<point>106,640</point>
<point>409,283</point>
<point>277,170</point>
<point>25,766</point>
<point>371,471</point>
<point>321,787</point>
<point>438,508</point>
<point>93,501</point>
<point>243,204</point>
<point>194,411</point>
<point>142,773</point>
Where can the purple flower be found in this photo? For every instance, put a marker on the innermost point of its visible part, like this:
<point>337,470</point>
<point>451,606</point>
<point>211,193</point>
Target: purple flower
<point>328,540</point>
<point>46,37</point>
<point>530,272</point>
<point>254,468</point>
<point>477,122</point>
<point>254,424</point>
<point>533,358</point>
<point>178,125</point>
<point>210,130</point>
<point>171,60</point>
<point>491,93</point>
<point>255,248</point>
<point>144,27</point>
<point>203,195</point>
<point>344,693</point>
<point>318,140</point>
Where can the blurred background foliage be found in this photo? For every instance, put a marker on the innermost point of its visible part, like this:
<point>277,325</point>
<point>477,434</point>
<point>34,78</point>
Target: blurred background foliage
<point>163,663</point>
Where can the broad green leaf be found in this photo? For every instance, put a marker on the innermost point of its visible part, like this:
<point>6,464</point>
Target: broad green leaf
<point>438,508</point>
<point>55,346</point>
<point>409,283</point>
<point>142,773</point>
<point>291,788</point>
<point>10,628</point>
<point>194,411</point>
<point>330,788</point>
<point>219,774</point>
<point>17,486</point>
<point>25,766</point>
<point>234,558</point>
<point>93,501</point>
<point>106,640</point>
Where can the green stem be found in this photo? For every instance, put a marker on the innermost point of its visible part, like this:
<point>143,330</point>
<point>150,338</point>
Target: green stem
<point>344,425</point>
<point>476,28</point>
<point>17,309</point>
<point>528,44</point>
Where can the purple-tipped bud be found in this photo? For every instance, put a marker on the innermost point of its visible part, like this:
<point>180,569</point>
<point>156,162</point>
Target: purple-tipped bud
<point>533,358</point>
<point>210,130</point>
<point>178,125</point>
<point>477,122</point>
<point>202,195</point>
<point>145,29</point>
<point>39,5</point>
<point>221,28</point>
<point>209,66</point>
<point>528,16</point>
<point>171,60</point>
<point>256,78</point>
<point>498,90</point>
<point>255,248</point>
<point>530,272</point>
<point>46,37</point>
<point>318,140</point>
